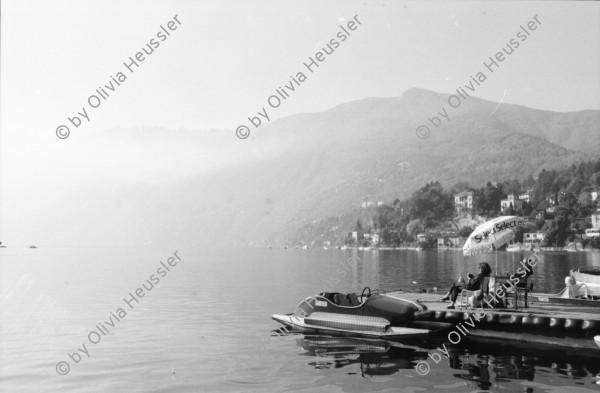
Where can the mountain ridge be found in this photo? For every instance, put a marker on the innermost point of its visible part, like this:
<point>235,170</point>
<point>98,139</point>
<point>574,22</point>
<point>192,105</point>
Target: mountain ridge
<point>298,169</point>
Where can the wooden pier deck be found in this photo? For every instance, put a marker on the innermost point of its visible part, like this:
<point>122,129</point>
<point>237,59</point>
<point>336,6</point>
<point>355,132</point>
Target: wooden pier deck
<point>540,323</point>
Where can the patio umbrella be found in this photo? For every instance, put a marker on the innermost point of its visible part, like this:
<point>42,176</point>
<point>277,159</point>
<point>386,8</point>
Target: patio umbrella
<point>491,235</point>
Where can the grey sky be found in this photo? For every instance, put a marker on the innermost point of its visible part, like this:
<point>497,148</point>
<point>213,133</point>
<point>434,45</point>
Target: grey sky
<point>227,57</point>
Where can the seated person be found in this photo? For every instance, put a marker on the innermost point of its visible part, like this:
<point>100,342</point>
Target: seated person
<point>473,284</point>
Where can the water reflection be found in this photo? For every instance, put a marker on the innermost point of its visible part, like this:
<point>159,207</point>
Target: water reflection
<point>375,357</point>
<point>502,363</point>
<point>480,365</point>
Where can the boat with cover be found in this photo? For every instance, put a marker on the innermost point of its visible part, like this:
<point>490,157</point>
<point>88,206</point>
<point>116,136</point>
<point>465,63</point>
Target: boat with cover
<point>590,276</point>
<point>575,294</point>
<point>373,314</point>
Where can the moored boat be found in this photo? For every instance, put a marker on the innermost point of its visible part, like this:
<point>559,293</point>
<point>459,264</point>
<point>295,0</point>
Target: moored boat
<point>519,247</point>
<point>372,315</point>
<point>590,276</point>
<point>574,294</point>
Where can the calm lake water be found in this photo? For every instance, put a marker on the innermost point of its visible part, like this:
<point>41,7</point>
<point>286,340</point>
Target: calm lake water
<point>205,325</point>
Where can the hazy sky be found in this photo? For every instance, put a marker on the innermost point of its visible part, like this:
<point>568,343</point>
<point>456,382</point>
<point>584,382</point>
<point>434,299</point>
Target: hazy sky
<point>226,58</point>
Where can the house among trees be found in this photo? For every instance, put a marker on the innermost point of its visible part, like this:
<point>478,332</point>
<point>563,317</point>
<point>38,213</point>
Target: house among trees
<point>509,204</point>
<point>463,201</point>
<point>451,240</point>
<point>527,196</point>
<point>533,237</point>
<point>595,220</point>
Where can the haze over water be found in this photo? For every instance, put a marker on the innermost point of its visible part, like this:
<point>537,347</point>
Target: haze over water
<point>206,325</point>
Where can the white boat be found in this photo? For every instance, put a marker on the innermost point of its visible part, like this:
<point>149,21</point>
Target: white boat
<point>372,315</point>
<point>517,247</point>
<point>590,276</point>
<point>573,247</point>
<point>597,340</point>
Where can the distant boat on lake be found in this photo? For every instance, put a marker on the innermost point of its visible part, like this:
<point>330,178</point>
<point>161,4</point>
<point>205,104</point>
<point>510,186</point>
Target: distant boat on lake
<point>518,247</point>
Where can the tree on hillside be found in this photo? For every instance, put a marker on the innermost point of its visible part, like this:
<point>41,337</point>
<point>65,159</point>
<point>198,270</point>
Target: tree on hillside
<point>528,183</point>
<point>386,237</point>
<point>431,204</point>
<point>544,184</point>
<point>459,187</point>
<point>465,231</point>
<point>595,179</point>
<point>414,227</point>
<point>358,228</point>
<point>513,187</point>
<point>558,231</point>
<point>384,216</point>
<point>576,185</point>
<point>487,199</point>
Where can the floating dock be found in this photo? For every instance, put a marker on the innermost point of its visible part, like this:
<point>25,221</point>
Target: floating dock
<point>539,323</point>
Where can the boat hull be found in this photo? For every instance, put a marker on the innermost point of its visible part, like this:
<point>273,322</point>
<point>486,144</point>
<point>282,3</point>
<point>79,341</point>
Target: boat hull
<point>374,316</point>
<point>358,326</point>
<point>553,298</point>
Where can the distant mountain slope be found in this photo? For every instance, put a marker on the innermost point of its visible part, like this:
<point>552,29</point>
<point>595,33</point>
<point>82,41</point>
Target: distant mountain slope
<point>306,167</point>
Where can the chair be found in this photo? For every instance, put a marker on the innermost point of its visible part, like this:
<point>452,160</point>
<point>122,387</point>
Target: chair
<point>342,300</point>
<point>472,296</point>
<point>353,299</point>
<point>520,292</point>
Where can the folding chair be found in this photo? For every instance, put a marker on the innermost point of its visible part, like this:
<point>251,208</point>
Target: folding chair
<point>471,296</point>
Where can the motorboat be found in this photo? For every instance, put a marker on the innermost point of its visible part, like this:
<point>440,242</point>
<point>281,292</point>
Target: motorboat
<point>372,315</point>
<point>519,247</point>
<point>590,276</point>
<point>597,341</point>
<point>574,294</point>
<point>573,247</point>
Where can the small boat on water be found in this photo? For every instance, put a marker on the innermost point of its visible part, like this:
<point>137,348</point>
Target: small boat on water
<point>590,276</point>
<point>519,247</point>
<point>597,341</point>
<point>574,294</point>
<point>573,247</point>
<point>373,315</point>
